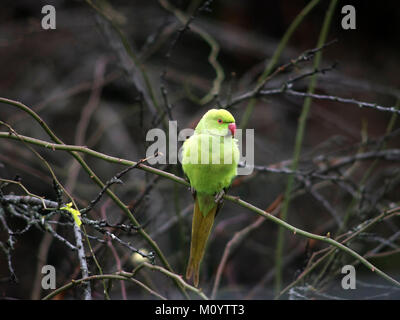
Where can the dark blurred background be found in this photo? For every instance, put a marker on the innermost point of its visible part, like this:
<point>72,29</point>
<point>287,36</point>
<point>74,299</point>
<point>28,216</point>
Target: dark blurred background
<point>61,73</point>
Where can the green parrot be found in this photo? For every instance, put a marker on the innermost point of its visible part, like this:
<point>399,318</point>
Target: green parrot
<point>209,160</point>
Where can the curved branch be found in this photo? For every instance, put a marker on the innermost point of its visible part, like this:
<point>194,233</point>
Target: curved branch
<point>117,276</point>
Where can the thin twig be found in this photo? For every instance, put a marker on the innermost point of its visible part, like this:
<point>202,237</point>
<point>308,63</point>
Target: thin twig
<point>125,276</point>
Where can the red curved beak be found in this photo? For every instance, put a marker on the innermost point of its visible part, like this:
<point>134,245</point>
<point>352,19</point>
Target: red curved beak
<point>232,128</point>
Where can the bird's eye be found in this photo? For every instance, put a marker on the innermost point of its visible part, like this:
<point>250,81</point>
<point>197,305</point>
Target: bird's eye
<point>219,120</point>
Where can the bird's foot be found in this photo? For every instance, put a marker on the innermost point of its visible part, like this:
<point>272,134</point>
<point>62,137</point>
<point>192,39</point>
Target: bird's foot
<point>219,196</point>
<point>192,191</point>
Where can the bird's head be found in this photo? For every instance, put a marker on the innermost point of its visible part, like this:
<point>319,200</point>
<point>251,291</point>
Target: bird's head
<point>219,122</point>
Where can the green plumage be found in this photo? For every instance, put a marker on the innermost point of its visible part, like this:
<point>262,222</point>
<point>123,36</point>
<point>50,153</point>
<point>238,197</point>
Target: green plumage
<point>209,159</point>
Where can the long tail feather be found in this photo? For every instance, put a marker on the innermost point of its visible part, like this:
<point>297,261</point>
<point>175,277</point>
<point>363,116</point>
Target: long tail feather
<point>201,229</point>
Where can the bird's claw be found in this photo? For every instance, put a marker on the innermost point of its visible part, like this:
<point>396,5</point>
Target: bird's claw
<point>219,196</point>
<point>192,191</point>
